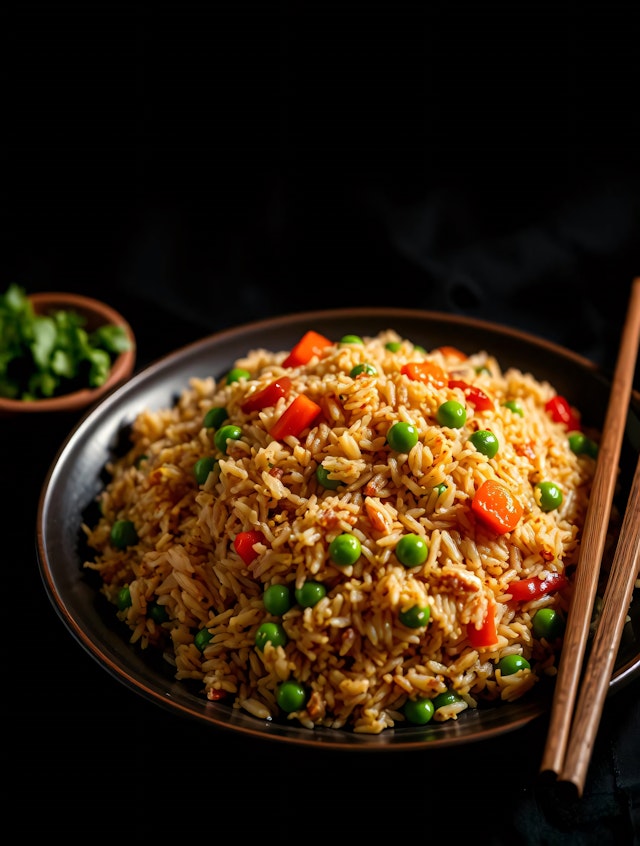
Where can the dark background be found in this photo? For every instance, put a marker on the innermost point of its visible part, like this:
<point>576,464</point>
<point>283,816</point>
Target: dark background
<point>231,160</point>
<point>204,165</point>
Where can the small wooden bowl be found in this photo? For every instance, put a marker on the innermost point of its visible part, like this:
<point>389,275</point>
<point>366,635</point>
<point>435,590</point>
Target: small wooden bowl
<point>96,313</point>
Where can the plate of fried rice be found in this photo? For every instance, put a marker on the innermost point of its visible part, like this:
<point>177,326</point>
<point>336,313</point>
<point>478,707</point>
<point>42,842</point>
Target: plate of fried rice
<point>353,528</point>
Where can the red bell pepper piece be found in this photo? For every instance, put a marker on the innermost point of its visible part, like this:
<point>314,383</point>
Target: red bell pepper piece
<point>311,343</point>
<point>295,418</point>
<point>487,634</point>
<point>243,544</point>
<point>425,371</point>
<point>214,695</point>
<point>268,396</point>
<point>523,590</point>
<point>496,506</point>
<point>474,395</point>
<point>561,412</point>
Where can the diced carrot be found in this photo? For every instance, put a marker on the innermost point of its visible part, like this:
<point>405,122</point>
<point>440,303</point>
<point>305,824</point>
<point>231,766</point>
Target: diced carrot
<point>311,343</point>
<point>487,634</point>
<point>496,506</point>
<point>425,371</point>
<point>452,352</point>
<point>268,396</point>
<point>295,418</point>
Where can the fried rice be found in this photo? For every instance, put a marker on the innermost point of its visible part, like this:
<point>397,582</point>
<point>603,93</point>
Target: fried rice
<point>219,523</point>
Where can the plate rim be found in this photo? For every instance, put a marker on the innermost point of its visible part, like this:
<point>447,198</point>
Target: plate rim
<point>419,737</point>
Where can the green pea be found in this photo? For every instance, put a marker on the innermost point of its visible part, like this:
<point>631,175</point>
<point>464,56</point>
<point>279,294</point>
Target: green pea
<point>310,593</point>
<point>482,368</point>
<point>591,448</point>
<point>393,346</point>
<point>215,417</point>
<point>440,489</point>
<point>277,599</point>
<point>158,613</point>
<point>236,374</point>
<point>202,638</point>
<point>123,534</point>
<point>448,697</point>
<point>415,617</point>
<point>229,432</point>
<point>580,444</point>
<point>419,711</point>
<point>515,407</point>
<point>451,414</point>
<point>577,441</point>
<point>485,442</point>
<point>345,549</point>
<point>123,599</point>
<point>548,495</point>
<point>402,436</point>
<point>359,369</point>
<point>291,696</point>
<point>322,475</point>
<point>412,550</point>
<point>547,623</point>
<point>510,664</point>
<point>272,633</point>
<point>203,467</point>
<point>419,348</point>
<point>351,339</point>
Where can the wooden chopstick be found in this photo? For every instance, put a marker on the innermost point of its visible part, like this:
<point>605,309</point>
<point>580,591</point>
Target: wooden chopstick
<point>615,605</point>
<point>587,571</point>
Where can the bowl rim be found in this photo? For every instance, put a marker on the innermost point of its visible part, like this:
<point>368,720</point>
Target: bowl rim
<point>156,385</point>
<point>121,369</point>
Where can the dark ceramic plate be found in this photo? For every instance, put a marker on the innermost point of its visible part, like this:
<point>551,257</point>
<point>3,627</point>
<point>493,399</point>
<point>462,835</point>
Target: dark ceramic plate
<point>76,476</point>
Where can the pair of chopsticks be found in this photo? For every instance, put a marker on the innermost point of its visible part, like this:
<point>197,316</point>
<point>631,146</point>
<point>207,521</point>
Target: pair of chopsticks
<point>573,727</point>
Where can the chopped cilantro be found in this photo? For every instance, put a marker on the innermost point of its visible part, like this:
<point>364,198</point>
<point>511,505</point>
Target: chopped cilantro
<point>46,355</point>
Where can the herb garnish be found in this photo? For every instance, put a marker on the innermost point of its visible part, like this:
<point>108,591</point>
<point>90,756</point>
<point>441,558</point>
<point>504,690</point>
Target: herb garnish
<point>51,354</point>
